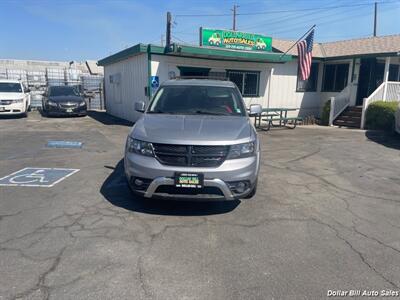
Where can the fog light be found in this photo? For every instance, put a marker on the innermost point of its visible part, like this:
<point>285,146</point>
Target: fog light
<point>138,182</point>
<point>241,187</point>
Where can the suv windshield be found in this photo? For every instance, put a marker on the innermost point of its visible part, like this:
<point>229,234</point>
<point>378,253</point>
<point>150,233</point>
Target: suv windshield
<point>10,87</point>
<point>207,100</point>
<point>63,91</point>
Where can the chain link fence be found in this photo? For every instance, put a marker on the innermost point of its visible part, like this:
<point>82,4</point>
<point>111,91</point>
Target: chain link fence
<point>38,81</point>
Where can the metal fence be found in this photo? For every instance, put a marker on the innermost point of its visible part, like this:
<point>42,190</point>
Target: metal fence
<point>39,81</point>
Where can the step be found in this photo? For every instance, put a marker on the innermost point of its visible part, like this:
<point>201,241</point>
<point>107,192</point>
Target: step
<point>352,114</point>
<point>347,123</point>
<point>347,117</point>
<point>354,108</point>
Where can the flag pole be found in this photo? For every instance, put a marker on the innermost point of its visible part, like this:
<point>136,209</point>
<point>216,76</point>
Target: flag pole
<point>312,27</point>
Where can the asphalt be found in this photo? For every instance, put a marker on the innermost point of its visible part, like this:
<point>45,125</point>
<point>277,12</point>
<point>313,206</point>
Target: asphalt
<point>326,217</point>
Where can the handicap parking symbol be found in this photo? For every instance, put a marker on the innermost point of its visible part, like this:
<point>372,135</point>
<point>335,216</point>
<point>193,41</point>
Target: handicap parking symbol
<point>37,177</point>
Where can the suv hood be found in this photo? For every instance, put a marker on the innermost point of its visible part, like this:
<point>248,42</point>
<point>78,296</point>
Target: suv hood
<point>11,96</point>
<point>192,129</point>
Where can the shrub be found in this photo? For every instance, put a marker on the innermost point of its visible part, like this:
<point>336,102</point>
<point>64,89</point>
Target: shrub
<point>325,113</point>
<point>381,115</point>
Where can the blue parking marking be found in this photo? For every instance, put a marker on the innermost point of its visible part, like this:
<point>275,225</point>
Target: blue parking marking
<point>64,144</point>
<point>37,177</point>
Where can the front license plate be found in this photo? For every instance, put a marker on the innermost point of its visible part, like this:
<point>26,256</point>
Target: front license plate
<point>2,108</point>
<point>69,109</point>
<point>189,180</point>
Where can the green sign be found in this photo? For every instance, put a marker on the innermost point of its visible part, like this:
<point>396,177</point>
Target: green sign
<point>235,40</point>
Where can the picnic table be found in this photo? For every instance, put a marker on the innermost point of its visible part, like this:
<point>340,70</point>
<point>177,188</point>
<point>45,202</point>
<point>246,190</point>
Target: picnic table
<point>277,114</point>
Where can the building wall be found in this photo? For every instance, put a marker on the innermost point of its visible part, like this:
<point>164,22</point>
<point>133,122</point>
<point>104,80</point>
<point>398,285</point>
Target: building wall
<point>284,94</point>
<point>280,91</point>
<point>276,90</point>
<point>128,89</point>
<point>161,65</point>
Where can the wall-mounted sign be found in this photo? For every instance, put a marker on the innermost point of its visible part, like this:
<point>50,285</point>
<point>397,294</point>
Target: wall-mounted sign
<point>235,40</point>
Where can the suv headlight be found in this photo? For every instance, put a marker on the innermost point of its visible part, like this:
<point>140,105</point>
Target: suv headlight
<point>241,150</point>
<point>139,147</point>
<point>83,103</point>
<point>17,100</point>
<point>51,103</point>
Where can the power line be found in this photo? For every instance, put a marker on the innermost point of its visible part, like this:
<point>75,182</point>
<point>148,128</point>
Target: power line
<point>284,11</point>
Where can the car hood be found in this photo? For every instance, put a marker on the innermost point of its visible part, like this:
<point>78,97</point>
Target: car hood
<point>71,99</point>
<point>11,96</point>
<point>193,129</point>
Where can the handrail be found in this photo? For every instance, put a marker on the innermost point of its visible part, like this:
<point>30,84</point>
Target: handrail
<point>339,103</point>
<point>387,91</point>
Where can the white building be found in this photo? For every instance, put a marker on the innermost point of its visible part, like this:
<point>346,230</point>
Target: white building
<point>347,70</point>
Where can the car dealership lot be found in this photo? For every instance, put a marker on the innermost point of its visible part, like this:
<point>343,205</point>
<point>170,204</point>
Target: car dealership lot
<point>326,217</point>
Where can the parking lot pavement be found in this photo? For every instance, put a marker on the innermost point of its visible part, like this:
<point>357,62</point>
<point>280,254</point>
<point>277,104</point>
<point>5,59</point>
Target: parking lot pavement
<point>326,217</point>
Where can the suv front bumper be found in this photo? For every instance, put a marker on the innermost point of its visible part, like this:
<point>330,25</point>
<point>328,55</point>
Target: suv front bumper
<point>219,178</point>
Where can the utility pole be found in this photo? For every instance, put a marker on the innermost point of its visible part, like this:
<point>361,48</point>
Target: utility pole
<point>375,17</point>
<point>234,16</point>
<point>168,33</point>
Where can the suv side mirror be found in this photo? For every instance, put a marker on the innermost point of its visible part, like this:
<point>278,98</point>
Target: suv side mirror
<point>27,90</point>
<point>140,106</point>
<point>255,109</point>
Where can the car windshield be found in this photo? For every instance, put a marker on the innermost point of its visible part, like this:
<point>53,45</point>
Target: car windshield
<point>63,91</point>
<point>10,87</point>
<point>202,100</point>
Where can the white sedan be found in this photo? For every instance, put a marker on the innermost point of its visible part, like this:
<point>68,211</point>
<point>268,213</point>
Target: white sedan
<point>14,99</point>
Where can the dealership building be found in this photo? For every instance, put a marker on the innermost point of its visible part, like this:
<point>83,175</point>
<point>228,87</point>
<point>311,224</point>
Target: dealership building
<point>347,71</point>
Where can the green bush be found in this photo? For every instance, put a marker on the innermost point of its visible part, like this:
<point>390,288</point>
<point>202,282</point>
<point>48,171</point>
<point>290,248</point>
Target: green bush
<point>325,113</point>
<point>381,115</point>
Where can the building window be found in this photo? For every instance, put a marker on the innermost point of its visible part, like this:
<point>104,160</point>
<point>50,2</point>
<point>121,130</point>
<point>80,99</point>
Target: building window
<point>335,77</point>
<point>115,78</point>
<point>309,85</point>
<point>248,82</point>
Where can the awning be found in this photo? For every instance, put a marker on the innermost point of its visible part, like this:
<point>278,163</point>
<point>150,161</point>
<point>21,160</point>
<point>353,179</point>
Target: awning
<point>197,52</point>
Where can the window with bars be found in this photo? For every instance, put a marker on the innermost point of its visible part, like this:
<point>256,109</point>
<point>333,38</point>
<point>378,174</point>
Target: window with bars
<point>248,82</point>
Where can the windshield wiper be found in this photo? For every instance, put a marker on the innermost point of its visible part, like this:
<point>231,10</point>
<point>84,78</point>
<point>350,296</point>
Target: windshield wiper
<point>202,112</point>
<point>162,112</point>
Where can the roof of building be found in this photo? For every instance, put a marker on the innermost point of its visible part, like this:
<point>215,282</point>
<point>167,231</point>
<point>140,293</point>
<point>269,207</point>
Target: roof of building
<point>200,82</point>
<point>197,52</point>
<point>380,45</point>
<point>389,44</point>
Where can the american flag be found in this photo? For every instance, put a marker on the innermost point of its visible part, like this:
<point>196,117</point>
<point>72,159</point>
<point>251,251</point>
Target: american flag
<point>304,49</point>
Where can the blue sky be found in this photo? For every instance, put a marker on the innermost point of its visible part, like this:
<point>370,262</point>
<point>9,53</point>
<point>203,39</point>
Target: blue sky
<point>93,29</point>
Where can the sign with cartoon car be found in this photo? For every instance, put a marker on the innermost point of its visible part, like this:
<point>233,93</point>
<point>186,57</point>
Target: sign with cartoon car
<point>234,40</point>
<point>260,44</point>
<point>215,39</point>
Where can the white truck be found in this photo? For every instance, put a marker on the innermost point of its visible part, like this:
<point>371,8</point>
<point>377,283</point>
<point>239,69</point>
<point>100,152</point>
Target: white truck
<point>14,98</point>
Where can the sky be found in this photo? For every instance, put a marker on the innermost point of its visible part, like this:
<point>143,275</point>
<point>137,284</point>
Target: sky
<point>66,30</point>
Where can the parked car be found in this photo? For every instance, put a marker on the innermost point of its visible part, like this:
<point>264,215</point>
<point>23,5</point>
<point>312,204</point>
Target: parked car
<point>397,125</point>
<point>195,140</point>
<point>14,98</point>
<point>64,100</point>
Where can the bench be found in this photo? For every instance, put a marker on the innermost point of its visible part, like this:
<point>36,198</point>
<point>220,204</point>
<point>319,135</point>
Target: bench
<point>285,120</point>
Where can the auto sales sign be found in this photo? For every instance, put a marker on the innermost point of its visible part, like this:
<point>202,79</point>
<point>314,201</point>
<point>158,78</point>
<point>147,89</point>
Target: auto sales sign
<point>235,40</point>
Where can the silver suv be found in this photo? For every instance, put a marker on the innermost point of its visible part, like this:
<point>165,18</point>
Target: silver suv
<point>194,141</point>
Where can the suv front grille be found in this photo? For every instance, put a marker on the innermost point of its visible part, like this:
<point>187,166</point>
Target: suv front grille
<point>190,156</point>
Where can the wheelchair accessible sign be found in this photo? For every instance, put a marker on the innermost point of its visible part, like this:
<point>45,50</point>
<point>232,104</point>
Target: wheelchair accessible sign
<point>37,177</point>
